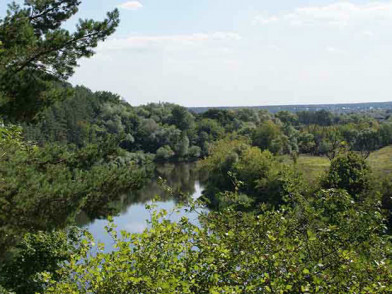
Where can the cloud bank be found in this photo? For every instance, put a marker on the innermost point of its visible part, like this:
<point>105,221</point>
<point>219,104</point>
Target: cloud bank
<point>138,41</point>
<point>131,5</point>
<point>335,14</point>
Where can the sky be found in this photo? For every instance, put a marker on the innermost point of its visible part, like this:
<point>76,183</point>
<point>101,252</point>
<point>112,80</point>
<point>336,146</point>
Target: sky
<point>242,52</point>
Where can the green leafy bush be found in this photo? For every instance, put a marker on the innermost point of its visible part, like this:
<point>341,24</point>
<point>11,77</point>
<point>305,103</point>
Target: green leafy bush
<point>325,244</point>
<point>234,165</point>
<point>350,172</point>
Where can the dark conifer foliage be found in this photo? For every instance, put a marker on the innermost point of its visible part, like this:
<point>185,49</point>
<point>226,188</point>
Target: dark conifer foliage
<point>38,54</point>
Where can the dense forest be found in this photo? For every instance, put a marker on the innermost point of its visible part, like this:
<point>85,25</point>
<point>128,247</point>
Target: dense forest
<point>268,229</point>
<point>173,133</point>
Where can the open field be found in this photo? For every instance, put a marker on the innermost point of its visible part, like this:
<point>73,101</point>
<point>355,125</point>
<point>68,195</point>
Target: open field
<point>381,161</point>
<point>313,166</point>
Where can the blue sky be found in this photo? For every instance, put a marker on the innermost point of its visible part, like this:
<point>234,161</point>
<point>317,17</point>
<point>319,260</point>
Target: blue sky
<point>248,52</point>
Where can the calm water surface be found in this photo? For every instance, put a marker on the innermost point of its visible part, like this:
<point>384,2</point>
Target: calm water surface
<point>182,177</point>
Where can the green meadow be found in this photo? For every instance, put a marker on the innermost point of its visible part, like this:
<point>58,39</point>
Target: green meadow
<point>313,167</point>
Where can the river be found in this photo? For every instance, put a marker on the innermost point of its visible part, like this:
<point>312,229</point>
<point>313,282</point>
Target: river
<point>133,216</point>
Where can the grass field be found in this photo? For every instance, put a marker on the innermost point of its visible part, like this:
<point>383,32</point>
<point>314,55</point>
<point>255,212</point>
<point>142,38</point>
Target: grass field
<point>381,161</point>
<point>314,166</point>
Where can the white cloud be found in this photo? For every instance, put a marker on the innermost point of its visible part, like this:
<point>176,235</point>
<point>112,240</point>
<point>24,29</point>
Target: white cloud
<point>334,50</point>
<point>263,19</point>
<point>368,33</point>
<point>139,41</point>
<point>335,14</point>
<point>331,49</point>
<point>131,5</point>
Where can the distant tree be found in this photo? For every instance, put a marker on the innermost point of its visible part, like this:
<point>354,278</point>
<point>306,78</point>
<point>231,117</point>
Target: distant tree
<point>194,152</point>
<point>182,147</point>
<point>264,115</point>
<point>386,133</point>
<point>128,142</point>
<point>367,141</point>
<point>350,133</point>
<point>306,143</point>
<point>224,117</point>
<point>211,128</point>
<point>247,129</point>
<point>287,117</point>
<point>349,172</point>
<point>332,142</point>
<point>290,139</point>
<point>208,130</point>
<point>268,136</point>
<point>321,117</point>
<point>248,115</point>
<point>235,166</point>
<point>181,118</point>
<point>164,153</point>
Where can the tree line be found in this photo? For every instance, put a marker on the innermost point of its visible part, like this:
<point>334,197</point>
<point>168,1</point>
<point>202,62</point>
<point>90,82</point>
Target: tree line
<point>171,132</point>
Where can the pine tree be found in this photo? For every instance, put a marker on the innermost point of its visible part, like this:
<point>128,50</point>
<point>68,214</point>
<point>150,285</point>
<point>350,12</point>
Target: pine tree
<point>38,55</point>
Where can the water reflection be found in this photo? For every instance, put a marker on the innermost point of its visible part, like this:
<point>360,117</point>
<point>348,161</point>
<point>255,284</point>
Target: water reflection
<point>132,216</point>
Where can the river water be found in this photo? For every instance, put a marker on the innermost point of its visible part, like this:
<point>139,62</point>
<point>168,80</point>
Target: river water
<point>133,216</point>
